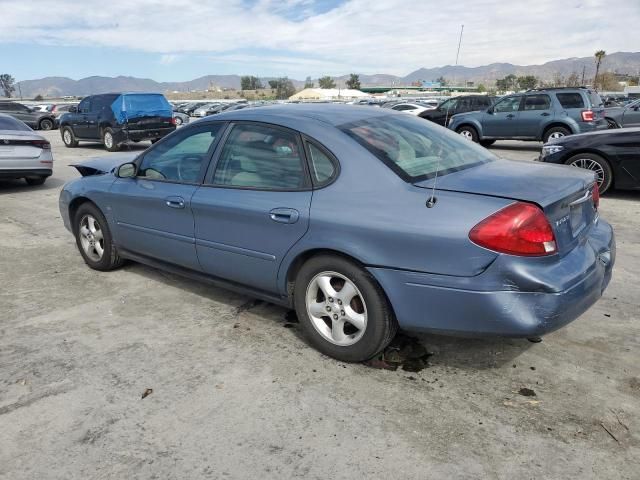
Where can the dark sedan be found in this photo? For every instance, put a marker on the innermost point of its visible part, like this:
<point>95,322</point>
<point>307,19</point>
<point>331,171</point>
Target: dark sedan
<point>614,156</point>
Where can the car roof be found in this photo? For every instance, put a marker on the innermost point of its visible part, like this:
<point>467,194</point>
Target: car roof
<point>327,113</point>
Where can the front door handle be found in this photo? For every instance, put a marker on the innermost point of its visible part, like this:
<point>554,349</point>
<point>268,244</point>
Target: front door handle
<point>511,115</point>
<point>174,202</point>
<point>545,114</point>
<point>284,215</point>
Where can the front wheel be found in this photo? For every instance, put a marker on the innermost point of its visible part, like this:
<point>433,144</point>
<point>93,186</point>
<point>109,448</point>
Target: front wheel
<point>469,133</point>
<point>342,310</point>
<point>68,138</point>
<point>93,239</point>
<point>598,165</point>
<point>45,124</point>
<point>108,140</point>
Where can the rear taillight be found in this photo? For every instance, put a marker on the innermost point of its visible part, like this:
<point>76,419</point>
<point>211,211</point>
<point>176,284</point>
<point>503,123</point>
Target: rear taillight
<point>43,144</point>
<point>173,121</point>
<point>595,194</point>
<point>519,229</point>
<point>587,116</point>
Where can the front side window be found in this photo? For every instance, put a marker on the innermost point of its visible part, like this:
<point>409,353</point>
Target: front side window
<point>570,100</point>
<point>261,157</point>
<point>413,148</point>
<point>85,106</point>
<point>449,105</point>
<point>508,104</point>
<point>537,102</point>
<point>180,158</point>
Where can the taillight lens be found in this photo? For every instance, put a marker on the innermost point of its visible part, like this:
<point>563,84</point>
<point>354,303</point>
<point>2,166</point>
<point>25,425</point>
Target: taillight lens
<point>43,144</point>
<point>587,115</point>
<point>595,193</point>
<point>173,121</point>
<point>519,229</point>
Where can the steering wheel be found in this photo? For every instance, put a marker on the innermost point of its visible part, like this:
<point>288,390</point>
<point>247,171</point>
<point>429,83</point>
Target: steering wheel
<point>189,167</point>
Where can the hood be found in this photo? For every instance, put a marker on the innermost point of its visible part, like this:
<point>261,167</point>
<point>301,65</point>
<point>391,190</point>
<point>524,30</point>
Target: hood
<point>540,183</point>
<point>106,164</point>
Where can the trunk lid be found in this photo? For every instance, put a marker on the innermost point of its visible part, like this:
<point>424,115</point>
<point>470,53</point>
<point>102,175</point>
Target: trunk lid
<point>16,144</point>
<point>564,193</point>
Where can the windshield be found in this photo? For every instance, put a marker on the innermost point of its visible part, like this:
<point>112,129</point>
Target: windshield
<point>415,149</point>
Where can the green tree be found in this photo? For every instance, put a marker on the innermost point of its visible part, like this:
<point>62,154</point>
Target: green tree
<point>527,82</point>
<point>482,88</point>
<point>354,81</point>
<point>7,84</point>
<point>250,82</point>
<point>283,86</point>
<point>38,98</point>
<point>326,82</point>
<point>600,54</point>
<point>308,83</point>
<point>273,84</point>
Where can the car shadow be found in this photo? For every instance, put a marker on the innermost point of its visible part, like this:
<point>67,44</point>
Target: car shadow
<point>19,185</point>
<point>631,195</point>
<point>443,351</point>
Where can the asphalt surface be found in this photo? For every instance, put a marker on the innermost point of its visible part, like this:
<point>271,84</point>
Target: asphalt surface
<point>237,395</point>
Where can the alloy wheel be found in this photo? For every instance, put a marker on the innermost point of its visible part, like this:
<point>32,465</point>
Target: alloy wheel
<point>556,135</point>
<point>336,308</point>
<point>91,238</point>
<point>66,136</point>
<point>467,134</point>
<point>108,140</point>
<point>589,164</point>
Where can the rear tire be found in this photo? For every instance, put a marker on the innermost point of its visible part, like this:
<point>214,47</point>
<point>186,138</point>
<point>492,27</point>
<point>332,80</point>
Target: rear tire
<point>45,124</point>
<point>34,181</point>
<point>469,133</point>
<point>343,311</point>
<point>487,143</point>
<point>108,141</point>
<point>93,239</point>
<point>68,138</point>
<point>555,132</point>
<point>598,165</point>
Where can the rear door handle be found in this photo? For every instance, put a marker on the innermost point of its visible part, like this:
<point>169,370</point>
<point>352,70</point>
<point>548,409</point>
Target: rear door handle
<point>284,215</point>
<point>174,202</point>
<point>511,115</point>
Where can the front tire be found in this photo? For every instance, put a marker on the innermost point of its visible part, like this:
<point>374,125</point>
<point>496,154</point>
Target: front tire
<point>68,138</point>
<point>469,133</point>
<point>598,165</point>
<point>343,311</point>
<point>108,141</point>
<point>45,124</point>
<point>555,133</point>
<point>93,239</point>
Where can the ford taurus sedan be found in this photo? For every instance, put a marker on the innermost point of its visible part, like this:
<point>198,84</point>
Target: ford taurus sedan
<point>363,220</point>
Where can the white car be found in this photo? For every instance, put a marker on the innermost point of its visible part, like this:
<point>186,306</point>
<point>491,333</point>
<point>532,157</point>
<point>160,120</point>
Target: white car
<point>23,153</point>
<point>411,108</point>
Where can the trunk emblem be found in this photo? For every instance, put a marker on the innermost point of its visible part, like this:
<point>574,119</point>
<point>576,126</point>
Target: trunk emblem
<point>562,221</point>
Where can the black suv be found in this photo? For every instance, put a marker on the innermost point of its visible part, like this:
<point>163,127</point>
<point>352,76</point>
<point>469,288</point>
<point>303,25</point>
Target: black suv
<point>36,120</point>
<point>461,104</point>
<point>116,118</point>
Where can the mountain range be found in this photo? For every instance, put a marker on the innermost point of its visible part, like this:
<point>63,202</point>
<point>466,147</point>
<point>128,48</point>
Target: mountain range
<point>620,62</point>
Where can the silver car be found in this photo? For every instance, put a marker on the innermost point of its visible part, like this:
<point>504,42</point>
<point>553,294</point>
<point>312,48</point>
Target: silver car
<point>23,153</point>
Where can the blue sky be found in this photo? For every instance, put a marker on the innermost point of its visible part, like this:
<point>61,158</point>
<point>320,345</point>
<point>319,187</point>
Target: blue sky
<point>183,39</point>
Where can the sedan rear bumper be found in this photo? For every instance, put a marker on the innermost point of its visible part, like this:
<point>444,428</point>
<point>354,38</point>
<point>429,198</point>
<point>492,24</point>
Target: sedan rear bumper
<point>25,172</point>
<point>420,305</point>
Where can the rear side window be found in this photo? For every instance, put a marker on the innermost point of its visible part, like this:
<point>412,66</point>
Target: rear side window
<point>483,102</point>
<point>261,157</point>
<point>570,100</point>
<point>322,168</point>
<point>415,149</point>
<point>537,102</point>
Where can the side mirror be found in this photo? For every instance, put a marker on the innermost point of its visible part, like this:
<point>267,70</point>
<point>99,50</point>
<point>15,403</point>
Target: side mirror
<point>73,109</point>
<point>490,110</point>
<point>127,170</point>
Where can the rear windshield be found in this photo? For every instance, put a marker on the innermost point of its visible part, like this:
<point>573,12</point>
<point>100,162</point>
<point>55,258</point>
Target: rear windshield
<point>415,149</point>
<point>595,99</point>
<point>9,123</point>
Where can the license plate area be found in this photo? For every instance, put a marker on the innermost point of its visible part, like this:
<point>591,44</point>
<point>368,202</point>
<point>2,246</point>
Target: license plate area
<point>578,218</point>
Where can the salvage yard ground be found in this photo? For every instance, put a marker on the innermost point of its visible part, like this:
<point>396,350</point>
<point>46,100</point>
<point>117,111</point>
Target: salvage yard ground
<point>231,393</point>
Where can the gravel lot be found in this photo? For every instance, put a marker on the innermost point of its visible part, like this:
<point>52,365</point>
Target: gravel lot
<point>237,395</point>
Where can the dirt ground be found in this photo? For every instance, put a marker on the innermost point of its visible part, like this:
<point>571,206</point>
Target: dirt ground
<point>237,395</point>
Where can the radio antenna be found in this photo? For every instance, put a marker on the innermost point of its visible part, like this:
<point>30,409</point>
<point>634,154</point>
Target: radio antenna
<point>432,200</point>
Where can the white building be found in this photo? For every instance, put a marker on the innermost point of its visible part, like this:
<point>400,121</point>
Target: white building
<point>328,94</point>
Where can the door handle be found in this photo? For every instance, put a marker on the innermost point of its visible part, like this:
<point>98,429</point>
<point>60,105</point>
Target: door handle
<point>511,115</point>
<point>545,114</point>
<point>174,202</point>
<point>284,215</point>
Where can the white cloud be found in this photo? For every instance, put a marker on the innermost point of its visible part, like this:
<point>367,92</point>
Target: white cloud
<point>394,36</point>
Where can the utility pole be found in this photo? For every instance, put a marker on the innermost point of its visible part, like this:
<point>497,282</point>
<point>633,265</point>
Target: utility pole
<point>20,90</point>
<point>583,69</point>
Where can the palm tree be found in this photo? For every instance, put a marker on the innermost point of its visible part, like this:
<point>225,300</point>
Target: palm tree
<point>600,54</point>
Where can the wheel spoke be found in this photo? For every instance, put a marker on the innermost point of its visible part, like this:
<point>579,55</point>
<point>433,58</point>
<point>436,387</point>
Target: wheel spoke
<point>354,318</point>
<point>99,250</point>
<point>324,283</point>
<point>337,331</point>
<point>92,224</point>
<point>347,293</point>
<point>317,309</point>
<point>84,231</point>
<point>98,234</point>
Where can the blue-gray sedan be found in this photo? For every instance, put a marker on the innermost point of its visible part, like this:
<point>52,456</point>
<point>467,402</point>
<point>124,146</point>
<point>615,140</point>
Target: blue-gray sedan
<point>363,220</point>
